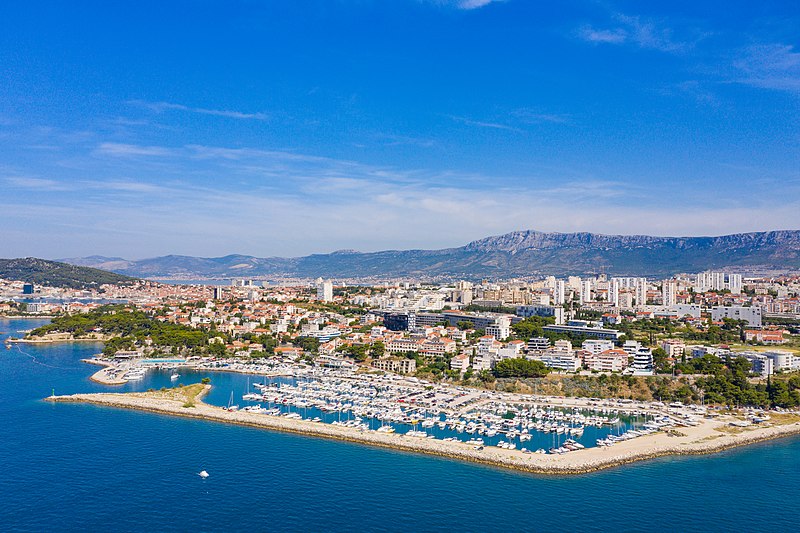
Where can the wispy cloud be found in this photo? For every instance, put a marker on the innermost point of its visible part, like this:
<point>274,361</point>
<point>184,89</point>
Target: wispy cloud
<point>401,140</point>
<point>160,107</point>
<point>464,4</point>
<point>40,184</point>
<point>636,31</point>
<point>530,116</point>
<point>474,4</point>
<point>593,35</point>
<point>483,124</point>
<point>769,66</point>
<point>131,150</point>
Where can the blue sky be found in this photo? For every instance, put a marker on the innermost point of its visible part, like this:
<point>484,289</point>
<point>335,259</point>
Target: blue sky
<point>281,128</point>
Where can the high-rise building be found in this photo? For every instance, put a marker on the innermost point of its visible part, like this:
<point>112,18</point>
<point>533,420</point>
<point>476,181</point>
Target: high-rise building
<point>641,291</point>
<point>586,291</point>
<point>560,293</point>
<point>324,291</point>
<point>613,292</point>
<point>669,293</point>
<point>735,283</point>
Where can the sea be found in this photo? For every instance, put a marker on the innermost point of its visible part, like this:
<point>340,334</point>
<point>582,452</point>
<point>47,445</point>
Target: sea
<point>74,467</point>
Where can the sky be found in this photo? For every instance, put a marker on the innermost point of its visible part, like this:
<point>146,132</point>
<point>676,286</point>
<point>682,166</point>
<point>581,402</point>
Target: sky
<point>284,128</point>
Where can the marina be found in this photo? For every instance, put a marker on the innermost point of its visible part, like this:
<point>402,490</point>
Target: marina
<point>416,408</point>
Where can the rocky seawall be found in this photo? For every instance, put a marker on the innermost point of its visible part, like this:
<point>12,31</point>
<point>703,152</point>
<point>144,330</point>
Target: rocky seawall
<point>708,437</point>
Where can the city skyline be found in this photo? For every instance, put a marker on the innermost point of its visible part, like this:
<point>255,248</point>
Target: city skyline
<point>297,128</point>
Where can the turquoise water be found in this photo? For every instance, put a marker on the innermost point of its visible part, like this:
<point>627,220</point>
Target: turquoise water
<point>84,468</point>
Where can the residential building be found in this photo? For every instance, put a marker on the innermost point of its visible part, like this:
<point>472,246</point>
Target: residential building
<point>596,346</point>
<point>590,332</point>
<point>615,360</point>
<point>751,314</point>
<point>398,365</point>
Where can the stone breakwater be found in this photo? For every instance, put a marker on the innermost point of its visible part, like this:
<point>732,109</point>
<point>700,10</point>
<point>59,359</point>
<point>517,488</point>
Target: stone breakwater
<point>708,437</point>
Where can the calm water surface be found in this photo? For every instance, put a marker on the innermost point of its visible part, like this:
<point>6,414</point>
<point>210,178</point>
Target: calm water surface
<point>85,468</point>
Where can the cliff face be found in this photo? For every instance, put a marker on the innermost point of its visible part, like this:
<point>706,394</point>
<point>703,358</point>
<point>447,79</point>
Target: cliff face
<point>517,253</point>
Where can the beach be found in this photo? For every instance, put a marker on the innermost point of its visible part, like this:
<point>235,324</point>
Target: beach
<point>709,436</point>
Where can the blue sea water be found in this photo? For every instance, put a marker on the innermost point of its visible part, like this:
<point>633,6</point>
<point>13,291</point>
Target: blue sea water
<point>71,467</point>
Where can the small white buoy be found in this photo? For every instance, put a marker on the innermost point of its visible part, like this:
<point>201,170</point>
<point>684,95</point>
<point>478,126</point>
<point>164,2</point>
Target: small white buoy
<point>203,474</point>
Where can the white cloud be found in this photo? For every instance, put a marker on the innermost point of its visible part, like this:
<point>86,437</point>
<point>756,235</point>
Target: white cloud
<point>160,107</point>
<point>463,4</point>
<point>635,31</point>
<point>769,66</point>
<point>483,124</point>
<point>25,182</point>
<point>131,150</point>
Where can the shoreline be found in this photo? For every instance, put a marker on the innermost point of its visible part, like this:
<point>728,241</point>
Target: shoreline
<point>702,440</point>
<point>50,341</point>
<point>102,376</point>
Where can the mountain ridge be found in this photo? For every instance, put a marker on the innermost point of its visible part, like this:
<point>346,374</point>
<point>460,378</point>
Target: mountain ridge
<point>58,273</point>
<point>513,254</point>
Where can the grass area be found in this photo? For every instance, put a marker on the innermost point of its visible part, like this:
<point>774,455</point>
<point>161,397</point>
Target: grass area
<point>782,419</point>
<point>736,430</point>
<point>187,394</point>
<point>751,348</point>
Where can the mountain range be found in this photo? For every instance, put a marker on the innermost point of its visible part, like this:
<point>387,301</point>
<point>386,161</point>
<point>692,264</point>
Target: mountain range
<point>515,254</point>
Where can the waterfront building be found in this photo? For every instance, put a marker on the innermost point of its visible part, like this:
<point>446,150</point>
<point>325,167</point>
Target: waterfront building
<point>538,344</point>
<point>460,362</point>
<point>760,363</point>
<point>560,361</point>
<point>596,346</point>
<point>643,362</point>
<point>615,360</point>
<point>398,365</point>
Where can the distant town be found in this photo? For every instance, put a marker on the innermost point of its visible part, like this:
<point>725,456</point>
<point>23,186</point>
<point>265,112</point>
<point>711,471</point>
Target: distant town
<point>463,330</point>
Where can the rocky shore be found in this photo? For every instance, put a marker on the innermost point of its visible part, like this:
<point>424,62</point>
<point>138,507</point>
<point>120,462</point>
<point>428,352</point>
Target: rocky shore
<point>708,437</point>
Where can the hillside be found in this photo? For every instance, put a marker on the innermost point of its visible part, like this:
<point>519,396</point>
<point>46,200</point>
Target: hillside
<point>520,253</point>
<point>57,274</point>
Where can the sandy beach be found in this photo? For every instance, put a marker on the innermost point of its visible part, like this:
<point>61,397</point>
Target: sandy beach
<point>708,437</point>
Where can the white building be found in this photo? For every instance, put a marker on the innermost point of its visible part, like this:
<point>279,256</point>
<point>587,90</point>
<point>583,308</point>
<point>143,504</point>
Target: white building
<point>560,293</point>
<point>501,329</point>
<point>641,291</point>
<point>324,290</point>
<point>751,314</point>
<point>596,346</point>
<point>560,361</point>
<point>643,362</point>
<point>669,293</point>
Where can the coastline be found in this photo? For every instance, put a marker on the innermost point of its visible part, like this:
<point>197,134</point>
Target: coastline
<point>55,340</point>
<point>707,438</point>
<point>103,376</point>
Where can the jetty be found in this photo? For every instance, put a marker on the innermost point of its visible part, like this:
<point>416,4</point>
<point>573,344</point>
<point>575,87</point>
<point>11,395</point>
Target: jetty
<point>707,436</point>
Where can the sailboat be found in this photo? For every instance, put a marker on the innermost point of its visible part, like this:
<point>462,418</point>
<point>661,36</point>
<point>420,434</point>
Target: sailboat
<point>203,474</point>
<point>230,406</point>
